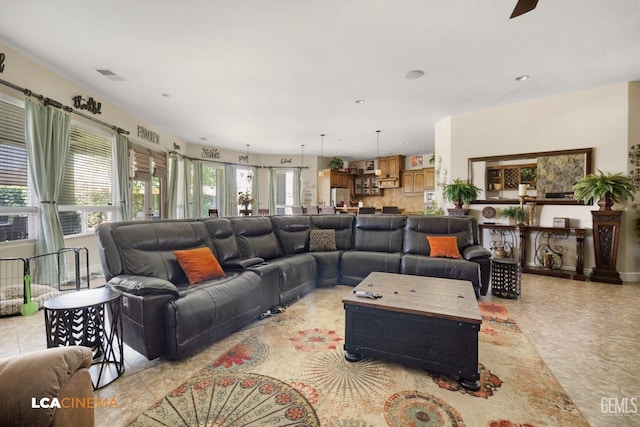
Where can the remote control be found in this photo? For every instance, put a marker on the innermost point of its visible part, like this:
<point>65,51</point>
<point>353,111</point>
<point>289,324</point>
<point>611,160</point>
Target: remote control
<point>367,294</point>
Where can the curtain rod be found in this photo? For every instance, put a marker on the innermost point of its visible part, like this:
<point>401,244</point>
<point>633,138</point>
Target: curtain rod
<point>237,164</point>
<point>54,103</point>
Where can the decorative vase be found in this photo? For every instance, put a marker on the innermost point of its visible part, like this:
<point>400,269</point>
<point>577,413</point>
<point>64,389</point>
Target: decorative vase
<point>500,252</point>
<point>606,203</point>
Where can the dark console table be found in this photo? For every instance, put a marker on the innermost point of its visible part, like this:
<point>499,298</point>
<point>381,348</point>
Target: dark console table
<point>547,257</point>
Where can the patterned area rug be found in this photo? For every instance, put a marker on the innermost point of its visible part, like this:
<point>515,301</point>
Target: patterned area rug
<point>290,370</point>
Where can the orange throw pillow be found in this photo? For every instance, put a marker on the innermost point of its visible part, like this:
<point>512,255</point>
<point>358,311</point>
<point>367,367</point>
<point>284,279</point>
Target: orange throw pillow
<point>199,264</point>
<point>444,246</point>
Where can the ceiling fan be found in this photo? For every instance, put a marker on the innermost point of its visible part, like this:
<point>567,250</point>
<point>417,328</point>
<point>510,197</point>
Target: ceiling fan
<point>523,6</point>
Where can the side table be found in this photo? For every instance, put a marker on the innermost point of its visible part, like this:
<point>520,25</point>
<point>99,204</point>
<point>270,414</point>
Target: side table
<point>505,277</point>
<point>91,318</point>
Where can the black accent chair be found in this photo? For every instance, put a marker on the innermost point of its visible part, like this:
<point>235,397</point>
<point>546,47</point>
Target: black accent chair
<point>366,210</point>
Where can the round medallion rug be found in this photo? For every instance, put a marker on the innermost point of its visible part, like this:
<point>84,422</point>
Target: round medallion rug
<point>231,398</point>
<point>414,408</point>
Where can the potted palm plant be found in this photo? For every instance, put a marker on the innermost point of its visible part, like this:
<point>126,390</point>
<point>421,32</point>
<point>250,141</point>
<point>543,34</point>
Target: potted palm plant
<point>605,189</point>
<point>460,192</point>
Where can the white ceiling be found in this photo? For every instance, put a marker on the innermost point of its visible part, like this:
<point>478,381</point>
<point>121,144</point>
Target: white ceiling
<point>276,74</point>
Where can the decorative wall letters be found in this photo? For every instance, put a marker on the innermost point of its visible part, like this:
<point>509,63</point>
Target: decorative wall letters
<point>210,153</point>
<point>90,104</point>
<point>243,159</point>
<point>283,160</point>
<point>2,57</point>
<point>145,133</point>
<point>176,146</point>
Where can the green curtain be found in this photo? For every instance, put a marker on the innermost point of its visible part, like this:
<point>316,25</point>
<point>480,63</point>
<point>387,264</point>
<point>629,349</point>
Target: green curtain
<point>172,191</point>
<point>122,167</point>
<point>185,185</point>
<point>197,189</point>
<point>230,205</point>
<point>255,190</point>
<point>296,187</point>
<point>273,180</point>
<point>47,138</point>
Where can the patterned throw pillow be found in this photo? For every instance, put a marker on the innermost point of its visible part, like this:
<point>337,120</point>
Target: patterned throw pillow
<point>199,264</point>
<point>443,246</point>
<point>322,240</point>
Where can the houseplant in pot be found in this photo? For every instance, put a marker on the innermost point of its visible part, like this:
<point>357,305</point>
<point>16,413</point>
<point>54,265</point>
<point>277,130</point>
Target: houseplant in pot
<point>335,164</point>
<point>605,189</point>
<point>515,213</point>
<point>460,192</point>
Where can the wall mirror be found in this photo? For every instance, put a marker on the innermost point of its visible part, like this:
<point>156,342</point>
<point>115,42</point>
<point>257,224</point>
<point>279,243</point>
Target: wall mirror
<point>548,176</point>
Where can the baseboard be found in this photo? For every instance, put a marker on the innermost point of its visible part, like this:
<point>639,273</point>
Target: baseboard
<point>630,277</point>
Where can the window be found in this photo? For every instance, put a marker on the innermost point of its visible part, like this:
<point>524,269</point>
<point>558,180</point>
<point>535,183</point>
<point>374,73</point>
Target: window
<point>148,183</point>
<point>211,175</point>
<point>244,184</point>
<point>13,156</point>
<point>284,190</point>
<point>15,213</point>
<point>86,194</point>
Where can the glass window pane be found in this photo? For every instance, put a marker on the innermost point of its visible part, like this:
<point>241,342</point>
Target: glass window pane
<point>209,189</point>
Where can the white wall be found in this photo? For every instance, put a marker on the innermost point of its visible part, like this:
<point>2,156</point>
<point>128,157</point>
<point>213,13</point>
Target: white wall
<point>597,118</point>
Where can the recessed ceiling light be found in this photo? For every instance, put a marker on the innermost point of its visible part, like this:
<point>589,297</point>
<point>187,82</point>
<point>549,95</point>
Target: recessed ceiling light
<point>522,78</point>
<point>166,95</point>
<point>414,74</point>
<point>203,138</point>
<point>359,101</point>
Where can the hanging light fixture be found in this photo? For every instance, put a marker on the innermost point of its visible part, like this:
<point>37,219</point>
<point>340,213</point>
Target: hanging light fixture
<point>301,160</point>
<point>322,171</point>
<point>378,172</point>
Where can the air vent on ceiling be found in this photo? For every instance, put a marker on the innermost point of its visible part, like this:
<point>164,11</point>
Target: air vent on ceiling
<point>110,74</point>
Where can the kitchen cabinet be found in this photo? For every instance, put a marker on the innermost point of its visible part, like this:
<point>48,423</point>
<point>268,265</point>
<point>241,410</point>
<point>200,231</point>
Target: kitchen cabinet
<point>366,185</point>
<point>417,181</point>
<point>429,179</point>
<point>413,181</point>
<point>339,179</point>
<point>391,167</point>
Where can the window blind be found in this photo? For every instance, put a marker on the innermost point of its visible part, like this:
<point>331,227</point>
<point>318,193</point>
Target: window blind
<point>147,163</point>
<point>89,171</point>
<point>13,150</point>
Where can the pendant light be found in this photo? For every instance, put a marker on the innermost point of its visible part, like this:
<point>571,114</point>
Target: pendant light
<point>378,171</point>
<point>301,160</point>
<point>322,171</point>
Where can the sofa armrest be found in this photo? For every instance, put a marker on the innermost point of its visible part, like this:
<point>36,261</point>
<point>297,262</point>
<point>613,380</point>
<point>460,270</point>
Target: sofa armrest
<point>475,251</point>
<point>241,263</point>
<point>143,285</point>
<point>49,374</point>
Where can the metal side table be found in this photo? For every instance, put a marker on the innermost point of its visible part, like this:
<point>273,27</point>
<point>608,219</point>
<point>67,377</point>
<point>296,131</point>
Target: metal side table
<point>505,278</point>
<point>91,318</point>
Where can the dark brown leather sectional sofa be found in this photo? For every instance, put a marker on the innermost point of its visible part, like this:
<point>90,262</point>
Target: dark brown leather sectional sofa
<point>267,262</point>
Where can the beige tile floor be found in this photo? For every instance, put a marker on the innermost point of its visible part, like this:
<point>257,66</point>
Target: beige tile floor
<point>587,333</point>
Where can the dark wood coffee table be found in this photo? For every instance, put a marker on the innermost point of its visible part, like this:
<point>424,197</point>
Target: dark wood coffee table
<point>427,322</point>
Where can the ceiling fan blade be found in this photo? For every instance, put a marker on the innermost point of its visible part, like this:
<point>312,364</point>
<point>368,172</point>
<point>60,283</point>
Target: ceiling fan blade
<point>523,6</point>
